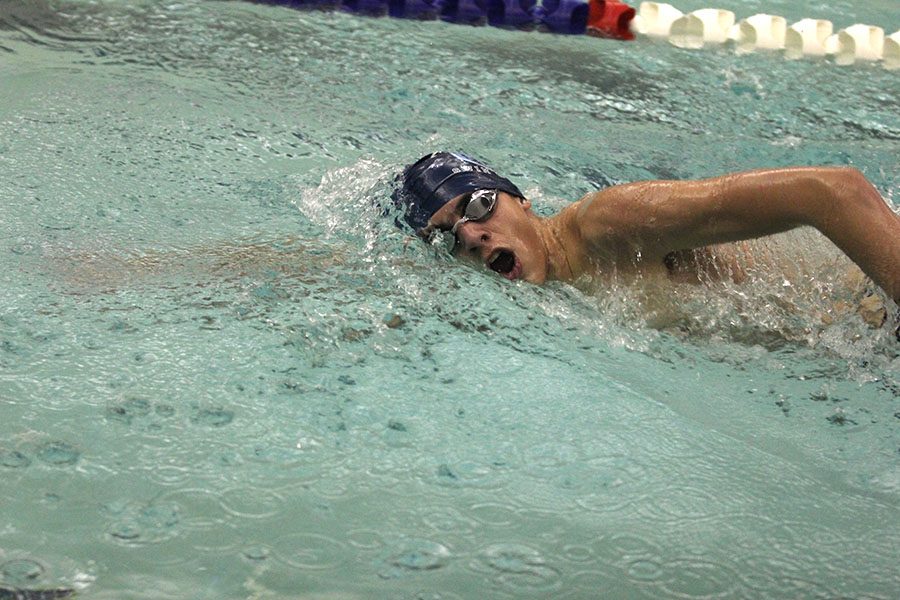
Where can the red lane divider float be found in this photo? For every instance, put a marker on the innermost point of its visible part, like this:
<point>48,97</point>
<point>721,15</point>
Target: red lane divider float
<point>610,19</point>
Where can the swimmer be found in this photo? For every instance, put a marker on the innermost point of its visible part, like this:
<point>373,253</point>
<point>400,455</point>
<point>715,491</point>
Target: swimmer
<point>645,226</point>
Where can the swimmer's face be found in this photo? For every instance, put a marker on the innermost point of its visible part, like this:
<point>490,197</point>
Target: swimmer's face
<point>506,241</point>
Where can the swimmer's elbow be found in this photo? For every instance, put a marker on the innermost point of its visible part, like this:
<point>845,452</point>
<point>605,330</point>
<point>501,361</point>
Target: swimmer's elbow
<point>847,189</point>
<point>847,182</point>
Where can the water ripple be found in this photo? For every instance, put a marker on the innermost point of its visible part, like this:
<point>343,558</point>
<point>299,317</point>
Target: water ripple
<point>58,453</point>
<point>699,578</point>
<point>493,514</point>
<point>410,555</point>
<point>135,523</point>
<point>252,503</point>
<point>447,519</point>
<point>310,551</point>
<point>518,567</point>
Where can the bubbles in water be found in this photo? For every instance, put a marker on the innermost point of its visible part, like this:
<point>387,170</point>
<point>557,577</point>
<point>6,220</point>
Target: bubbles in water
<point>345,197</point>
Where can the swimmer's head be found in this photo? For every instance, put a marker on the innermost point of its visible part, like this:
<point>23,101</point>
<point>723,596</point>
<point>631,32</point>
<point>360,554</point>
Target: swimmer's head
<point>435,179</point>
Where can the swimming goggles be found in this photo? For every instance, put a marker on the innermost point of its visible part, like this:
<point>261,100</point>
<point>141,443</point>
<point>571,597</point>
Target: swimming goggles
<point>479,206</point>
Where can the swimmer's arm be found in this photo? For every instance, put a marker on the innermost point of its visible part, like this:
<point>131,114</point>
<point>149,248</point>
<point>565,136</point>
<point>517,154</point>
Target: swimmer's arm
<point>210,265</point>
<point>659,217</point>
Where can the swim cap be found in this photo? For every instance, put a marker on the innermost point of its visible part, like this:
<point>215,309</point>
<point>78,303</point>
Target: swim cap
<point>435,179</point>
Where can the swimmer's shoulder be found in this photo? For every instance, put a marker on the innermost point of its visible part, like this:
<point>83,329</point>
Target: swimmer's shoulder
<point>584,229</point>
<point>584,204</point>
<point>596,218</point>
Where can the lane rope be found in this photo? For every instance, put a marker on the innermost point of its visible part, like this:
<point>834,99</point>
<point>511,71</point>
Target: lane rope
<point>807,38</point>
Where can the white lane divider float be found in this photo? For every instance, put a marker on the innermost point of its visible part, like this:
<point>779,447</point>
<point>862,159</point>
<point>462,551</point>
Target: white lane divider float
<point>655,19</point>
<point>891,54</point>
<point>805,38</point>
<point>857,42</point>
<point>759,32</point>
<point>701,27</point>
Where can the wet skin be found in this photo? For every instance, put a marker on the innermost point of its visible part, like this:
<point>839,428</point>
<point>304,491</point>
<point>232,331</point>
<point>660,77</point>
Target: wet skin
<point>643,225</point>
<point>517,244</point>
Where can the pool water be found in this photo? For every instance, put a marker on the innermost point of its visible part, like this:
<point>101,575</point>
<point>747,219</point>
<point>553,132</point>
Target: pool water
<point>224,374</point>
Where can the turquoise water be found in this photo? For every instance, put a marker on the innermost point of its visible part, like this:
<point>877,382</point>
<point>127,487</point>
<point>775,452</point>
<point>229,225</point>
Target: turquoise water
<point>223,375</point>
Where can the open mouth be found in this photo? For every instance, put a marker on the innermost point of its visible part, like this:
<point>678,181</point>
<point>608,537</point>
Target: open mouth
<point>503,262</point>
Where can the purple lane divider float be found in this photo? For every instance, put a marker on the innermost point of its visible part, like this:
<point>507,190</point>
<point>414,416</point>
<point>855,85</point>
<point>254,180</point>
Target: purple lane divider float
<point>425,10</point>
<point>474,12</point>
<point>517,14</point>
<point>513,13</point>
<point>373,8</point>
<point>556,16</point>
<point>307,4</point>
<point>563,16</point>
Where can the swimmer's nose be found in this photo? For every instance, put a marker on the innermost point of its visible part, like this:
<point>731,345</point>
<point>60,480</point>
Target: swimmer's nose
<point>471,237</point>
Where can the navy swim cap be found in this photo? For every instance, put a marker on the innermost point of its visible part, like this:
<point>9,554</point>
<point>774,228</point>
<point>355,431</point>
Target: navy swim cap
<point>435,179</point>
